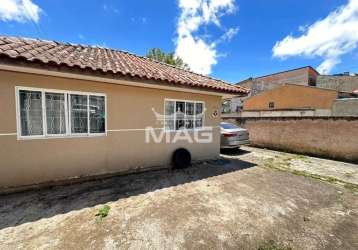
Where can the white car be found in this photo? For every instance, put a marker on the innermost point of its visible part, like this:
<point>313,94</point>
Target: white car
<point>233,136</point>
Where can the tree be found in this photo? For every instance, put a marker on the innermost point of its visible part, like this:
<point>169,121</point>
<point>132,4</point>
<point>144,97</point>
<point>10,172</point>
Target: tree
<point>169,58</point>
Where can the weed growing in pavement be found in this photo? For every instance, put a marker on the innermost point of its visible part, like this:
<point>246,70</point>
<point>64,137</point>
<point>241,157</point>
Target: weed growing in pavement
<point>102,213</point>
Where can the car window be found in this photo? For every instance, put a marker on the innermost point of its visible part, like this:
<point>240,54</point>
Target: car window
<point>228,126</point>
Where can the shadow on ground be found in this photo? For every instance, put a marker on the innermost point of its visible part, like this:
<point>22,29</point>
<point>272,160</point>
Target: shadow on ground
<point>19,208</point>
<point>234,151</point>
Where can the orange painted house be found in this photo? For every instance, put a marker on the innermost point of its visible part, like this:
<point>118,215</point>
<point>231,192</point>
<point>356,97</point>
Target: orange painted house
<point>293,97</point>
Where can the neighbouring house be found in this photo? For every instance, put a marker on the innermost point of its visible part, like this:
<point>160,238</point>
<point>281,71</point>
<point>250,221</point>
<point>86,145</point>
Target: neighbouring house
<point>341,82</point>
<point>305,76</point>
<point>292,111</point>
<point>303,119</point>
<point>291,97</point>
<point>73,111</point>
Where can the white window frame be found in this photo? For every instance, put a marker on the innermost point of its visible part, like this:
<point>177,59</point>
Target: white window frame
<point>185,101</point>
<point>70,115</point>
<point>68,133</point>
<point>44,115</point>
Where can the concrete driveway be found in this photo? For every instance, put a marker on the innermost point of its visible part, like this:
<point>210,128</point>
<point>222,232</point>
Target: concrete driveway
<point>248,199</point>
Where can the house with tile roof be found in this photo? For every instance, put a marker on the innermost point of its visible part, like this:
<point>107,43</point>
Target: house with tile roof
<point>73,111</point>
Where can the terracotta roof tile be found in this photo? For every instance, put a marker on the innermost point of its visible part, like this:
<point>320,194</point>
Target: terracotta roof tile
<point>108,60</point>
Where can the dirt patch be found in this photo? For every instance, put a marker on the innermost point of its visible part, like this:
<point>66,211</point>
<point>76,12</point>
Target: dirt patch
<point>235,203</point>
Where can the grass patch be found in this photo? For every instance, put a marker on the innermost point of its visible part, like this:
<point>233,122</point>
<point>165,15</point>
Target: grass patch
<point>272,245</point>
<point>316,176</point>
<point>276,164</point>
<point>102,212</point>
<point>286,162</point>
<point>301,158</point>
<point>270,163</point>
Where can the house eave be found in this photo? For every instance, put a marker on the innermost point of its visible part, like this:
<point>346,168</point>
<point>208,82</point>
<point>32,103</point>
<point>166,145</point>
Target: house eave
<point>125,81</point>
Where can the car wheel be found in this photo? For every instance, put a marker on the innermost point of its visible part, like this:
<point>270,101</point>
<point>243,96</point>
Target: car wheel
<point>181,158</point>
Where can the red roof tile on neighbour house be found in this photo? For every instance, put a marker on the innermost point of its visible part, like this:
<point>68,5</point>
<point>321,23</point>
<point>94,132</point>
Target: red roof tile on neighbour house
<point>108,61</point>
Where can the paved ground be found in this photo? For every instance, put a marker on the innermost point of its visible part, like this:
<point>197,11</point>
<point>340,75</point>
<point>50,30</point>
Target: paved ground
<point>251,198</point>
<point>332,171</point>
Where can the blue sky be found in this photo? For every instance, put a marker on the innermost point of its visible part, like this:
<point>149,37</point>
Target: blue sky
<point>227,39</point>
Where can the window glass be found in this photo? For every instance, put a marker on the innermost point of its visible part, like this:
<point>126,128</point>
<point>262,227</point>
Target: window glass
<point>55,113</point>
<point>169,115</point>
<point>189,119</point>
<point>180,115</point>
<point>228,126</point>
<point>79,114</point>
<point>198,123</point>
<point>199,115</point>
<point>198,108</point>
<point>226,106</point>
<point>97,114</point>
<point>31,112</point>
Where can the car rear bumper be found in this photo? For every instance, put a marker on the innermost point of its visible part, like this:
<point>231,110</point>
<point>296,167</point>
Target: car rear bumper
<point>237,144</point>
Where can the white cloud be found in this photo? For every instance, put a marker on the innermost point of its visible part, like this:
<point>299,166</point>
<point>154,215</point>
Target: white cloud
<point>229,34</point>
<point>329,38</point>
<point>19,10</point>
<point>199,55</point>
<point>194,49</point>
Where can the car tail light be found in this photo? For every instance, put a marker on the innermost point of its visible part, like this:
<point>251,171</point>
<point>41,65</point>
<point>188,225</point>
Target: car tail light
<point>229,134</point>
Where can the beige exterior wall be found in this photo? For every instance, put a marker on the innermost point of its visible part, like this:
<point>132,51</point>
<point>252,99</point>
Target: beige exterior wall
<point>292,97</point>
<point>25,162</point>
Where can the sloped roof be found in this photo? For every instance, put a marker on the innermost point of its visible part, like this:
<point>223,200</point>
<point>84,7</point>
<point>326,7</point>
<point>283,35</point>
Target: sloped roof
<point>107,60</point>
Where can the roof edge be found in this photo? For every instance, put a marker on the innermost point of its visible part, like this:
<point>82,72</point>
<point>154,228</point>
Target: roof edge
<point>126,80</point>
<point>218,89</point>
<point>276,73</point>
<point>38,64</point>
<point>289,70</point>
